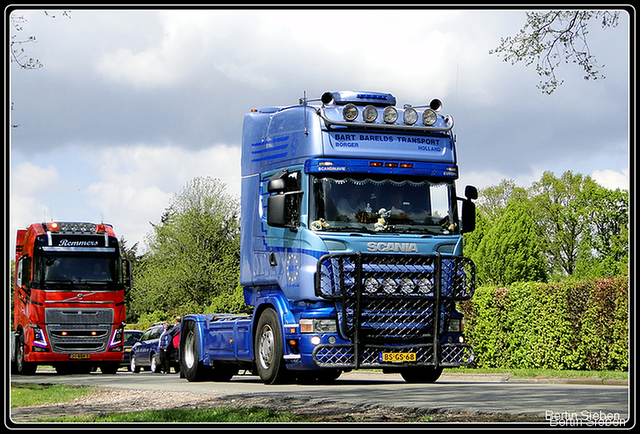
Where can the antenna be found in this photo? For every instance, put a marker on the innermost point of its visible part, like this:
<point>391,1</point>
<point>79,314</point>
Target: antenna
<point>304,106</point>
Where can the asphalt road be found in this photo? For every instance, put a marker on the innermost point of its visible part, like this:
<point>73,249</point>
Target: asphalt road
<point>453,392</point>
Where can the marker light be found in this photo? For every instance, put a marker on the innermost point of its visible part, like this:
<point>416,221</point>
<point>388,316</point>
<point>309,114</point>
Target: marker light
<point>410,116</point>
<point>370,114</point>
<point>350,112</point>
<point>429,117</point>
<point>54,227</point>
<point>390,115</point>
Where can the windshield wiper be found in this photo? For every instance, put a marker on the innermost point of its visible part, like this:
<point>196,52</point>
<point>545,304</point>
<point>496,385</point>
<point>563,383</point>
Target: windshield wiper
<point>361,229</point>
<point>415,230</point>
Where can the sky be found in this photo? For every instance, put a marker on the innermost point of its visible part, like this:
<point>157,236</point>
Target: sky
<point>131,104</point>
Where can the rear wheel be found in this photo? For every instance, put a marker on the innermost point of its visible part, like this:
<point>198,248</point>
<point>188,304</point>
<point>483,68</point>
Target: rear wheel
<point>268,349</point>
<point>133,364</point>
<point>155,363</point>
<point>191,366</point>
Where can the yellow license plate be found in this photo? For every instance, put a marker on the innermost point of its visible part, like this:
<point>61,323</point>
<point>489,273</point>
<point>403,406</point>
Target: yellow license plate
<point>397,357</point>
<point>79,356</point>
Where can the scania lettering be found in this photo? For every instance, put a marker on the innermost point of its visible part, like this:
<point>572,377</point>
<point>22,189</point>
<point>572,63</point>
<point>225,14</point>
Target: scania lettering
<point>351,246</point>
<point>69,307</point>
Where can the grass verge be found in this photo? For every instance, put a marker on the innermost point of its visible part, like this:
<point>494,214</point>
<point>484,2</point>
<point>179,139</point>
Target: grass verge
<point>217,414</point>
<point>36,394</point>
<point>550,373</point>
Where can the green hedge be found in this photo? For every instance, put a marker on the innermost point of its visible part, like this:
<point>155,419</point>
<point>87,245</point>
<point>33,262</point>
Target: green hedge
<point>570,325</point>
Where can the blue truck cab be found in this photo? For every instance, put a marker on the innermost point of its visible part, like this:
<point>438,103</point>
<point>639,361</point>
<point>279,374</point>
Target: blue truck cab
<point>351,246</point>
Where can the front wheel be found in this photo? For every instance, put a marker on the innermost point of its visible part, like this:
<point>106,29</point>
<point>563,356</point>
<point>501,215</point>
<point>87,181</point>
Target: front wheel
<point>269,349</point>
<point>23,367</point>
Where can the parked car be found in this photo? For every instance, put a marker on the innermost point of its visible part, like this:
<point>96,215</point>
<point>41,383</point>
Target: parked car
<point>146,353</point>
<point>130,338</point>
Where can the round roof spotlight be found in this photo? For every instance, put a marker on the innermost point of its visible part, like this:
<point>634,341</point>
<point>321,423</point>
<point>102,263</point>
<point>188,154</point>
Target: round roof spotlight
<point>390,115</point>
<point>327,98</point>
<point>350,112</point>
<point>370,114</point>
<point>410,116</point>
<point>429,117</point>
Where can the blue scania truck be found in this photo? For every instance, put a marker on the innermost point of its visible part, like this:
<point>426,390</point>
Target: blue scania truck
<point>351,246</point>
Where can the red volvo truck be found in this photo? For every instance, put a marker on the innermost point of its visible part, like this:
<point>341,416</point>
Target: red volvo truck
<point>69,310</point>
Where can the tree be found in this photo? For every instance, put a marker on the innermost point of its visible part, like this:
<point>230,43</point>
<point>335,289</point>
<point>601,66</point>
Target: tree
<point>493,200</point>
<point>605,249</point>
<point>509,252</point>
<point>581,228</point>
<point>193,253</point>
<point>548,38</point>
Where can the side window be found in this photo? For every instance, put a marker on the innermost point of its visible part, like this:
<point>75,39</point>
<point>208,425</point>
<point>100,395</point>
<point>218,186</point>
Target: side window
<point>23,273</point>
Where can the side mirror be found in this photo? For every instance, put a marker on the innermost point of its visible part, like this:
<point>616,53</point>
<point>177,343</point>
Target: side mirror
<point>283,207</point>
<point>276,185</point>
<point>471,192</point>
<point>127,271</point>
<point>469,209</point>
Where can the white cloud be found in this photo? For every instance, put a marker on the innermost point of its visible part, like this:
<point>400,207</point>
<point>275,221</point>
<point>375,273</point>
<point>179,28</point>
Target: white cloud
<point>611,179</point>
<point>29,184</point>
<point>136,183</point>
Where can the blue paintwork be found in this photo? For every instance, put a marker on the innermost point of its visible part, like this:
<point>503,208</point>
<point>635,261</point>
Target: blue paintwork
<point>296,138</point>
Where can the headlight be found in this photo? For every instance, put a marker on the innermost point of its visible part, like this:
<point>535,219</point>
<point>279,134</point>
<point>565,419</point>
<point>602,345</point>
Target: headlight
<point>410,116</point>
<point>429,117</point>
<point>370,114</point>
<point>117,336</point>
<point>389,285</point>
<point>371,285</point>
<point>350,112</point>
<point>390,115</point>
<point>38,337</point>
<point>406,285</point>
<point>308,325</point>
<point>425,286</point>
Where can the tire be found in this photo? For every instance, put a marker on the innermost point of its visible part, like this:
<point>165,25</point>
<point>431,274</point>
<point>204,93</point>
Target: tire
<point>190,364</point>
<point>268,349</point>
<point>421,375</point>
<point>133,364</point>
<point>155,363</point>
<point>22,367</point>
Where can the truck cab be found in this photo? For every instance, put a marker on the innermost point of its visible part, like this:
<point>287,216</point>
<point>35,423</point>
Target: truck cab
<point>351,240</point>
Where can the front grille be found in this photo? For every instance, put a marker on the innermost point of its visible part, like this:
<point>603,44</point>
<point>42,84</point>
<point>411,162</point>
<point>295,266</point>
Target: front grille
<point>394,303</point>
<point>78,330</point>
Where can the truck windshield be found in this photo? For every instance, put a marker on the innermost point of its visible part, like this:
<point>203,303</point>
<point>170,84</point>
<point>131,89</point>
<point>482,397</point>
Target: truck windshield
<point>383,205</point>
<point>76,272</point>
